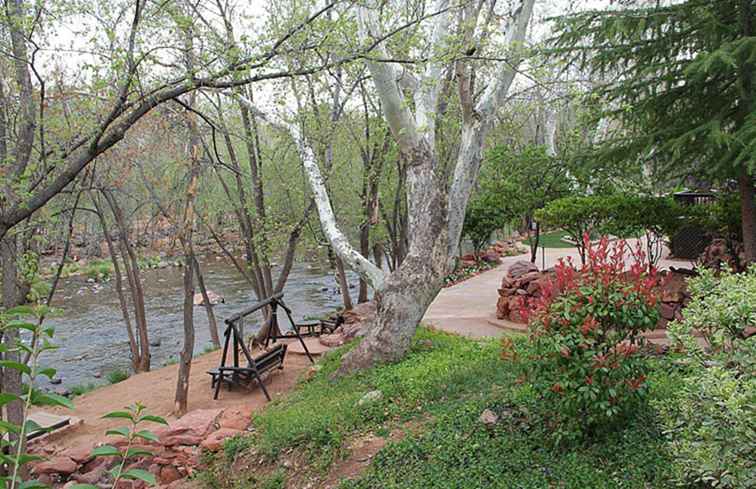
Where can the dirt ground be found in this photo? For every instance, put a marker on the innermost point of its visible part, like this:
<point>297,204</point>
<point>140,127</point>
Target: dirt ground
<point>156,390</point>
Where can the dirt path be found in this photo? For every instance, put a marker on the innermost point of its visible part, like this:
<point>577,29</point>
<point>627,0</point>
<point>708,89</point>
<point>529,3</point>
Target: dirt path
<point>156,390</point>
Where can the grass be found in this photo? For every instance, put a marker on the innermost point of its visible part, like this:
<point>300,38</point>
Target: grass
<point>116,376</point>
<point>443,385</point>
<point>552,239</point>
<point>81,389</point>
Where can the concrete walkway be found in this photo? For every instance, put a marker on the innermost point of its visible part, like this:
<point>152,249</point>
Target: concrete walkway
<point>469,308</point>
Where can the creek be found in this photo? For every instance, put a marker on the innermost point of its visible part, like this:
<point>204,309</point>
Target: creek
<point>91,335</point>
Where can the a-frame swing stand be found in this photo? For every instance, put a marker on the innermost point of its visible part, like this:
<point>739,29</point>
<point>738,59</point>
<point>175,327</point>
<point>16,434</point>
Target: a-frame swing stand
<point>236,374</point>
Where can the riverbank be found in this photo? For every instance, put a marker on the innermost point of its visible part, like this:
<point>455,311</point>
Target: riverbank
<point>156,389</point>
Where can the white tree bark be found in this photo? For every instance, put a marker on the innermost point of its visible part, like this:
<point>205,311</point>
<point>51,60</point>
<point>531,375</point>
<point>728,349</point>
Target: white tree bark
<point>474,133</point>
<point>367,270</point>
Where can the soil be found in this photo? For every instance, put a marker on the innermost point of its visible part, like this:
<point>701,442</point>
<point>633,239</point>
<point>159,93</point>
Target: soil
<point>156,390</point>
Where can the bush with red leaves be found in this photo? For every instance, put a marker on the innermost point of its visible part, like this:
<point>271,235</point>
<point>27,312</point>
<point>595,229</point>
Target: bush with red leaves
<point>585,334</point>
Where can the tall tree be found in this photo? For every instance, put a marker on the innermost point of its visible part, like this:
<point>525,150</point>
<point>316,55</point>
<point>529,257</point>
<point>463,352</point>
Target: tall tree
<point>679,91</point>
<point>436,203</point>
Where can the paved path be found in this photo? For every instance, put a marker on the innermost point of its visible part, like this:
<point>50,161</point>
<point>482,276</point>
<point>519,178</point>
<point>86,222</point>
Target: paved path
<point>469,308</point>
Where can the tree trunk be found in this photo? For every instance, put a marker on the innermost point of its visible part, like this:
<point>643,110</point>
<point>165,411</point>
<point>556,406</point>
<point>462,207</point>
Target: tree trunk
<point>185,358</point>
<point>534,237</point>
<point>131,264</point>
<point>136,355</point>
<point>748,215</point>
<point>212,323</point>
<point>346,298</point>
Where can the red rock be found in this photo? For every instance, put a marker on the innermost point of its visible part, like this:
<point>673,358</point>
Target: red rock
<point>81,453</point>
<point>667,311</point>
<point>235,419</point>
<point>185,439</point>
<point>502,308</point>
<point>91,477</point>
<point>520,268</point>
<point>674,288</point>
<point>56,465</point>
<point>214,441</point>
<point>332,340</point>
<point>168,474</point>
<point>197,423</point>
<point>529,277</point>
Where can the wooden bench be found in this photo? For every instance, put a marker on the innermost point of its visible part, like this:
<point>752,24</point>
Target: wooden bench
<point>269,360</point>
<point>237,374</point>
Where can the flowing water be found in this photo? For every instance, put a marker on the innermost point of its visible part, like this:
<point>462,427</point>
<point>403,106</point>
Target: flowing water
<point>92,337</point>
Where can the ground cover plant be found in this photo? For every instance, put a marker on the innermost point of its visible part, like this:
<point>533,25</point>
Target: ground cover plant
<point>443,387</point>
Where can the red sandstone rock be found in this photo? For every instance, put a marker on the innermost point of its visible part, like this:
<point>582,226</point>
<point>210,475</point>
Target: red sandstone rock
<point>332,340</point>
<point>185,439</point>
<point>667,311</point>
<point>235,419</point>
<point>56,465</point>
<point>198,423</point>
<point>168,474</point>
<point>502,308</point>
<point>520,268</point>
<point>214,441</point>
<point>81,453</point>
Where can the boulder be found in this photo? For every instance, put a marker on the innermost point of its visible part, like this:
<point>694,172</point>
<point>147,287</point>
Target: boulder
<point>197,423</point>
<point>214,441</point>
<point>168,474</point>
<point>520,268</point>
<point>529,277</point>
<point>674,288</point>
<point>56,465</point>
<point>667,311</point>
<point>81,453</point>
<point>235,419</point>
<point>502,308</point>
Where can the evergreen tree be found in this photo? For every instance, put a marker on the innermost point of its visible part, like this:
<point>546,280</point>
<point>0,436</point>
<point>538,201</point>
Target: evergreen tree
<point>677,82</point>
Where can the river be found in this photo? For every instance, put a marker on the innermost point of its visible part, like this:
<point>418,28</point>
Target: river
<point>91,335</point>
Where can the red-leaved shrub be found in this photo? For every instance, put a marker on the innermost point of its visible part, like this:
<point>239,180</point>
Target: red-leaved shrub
<point>585,334</point>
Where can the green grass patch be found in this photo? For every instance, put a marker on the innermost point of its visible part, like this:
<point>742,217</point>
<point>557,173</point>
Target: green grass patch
<point>116,376</point>
<point>81,389</point>
<point>552,239</point>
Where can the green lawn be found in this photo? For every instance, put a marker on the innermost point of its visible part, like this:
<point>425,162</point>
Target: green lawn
<point>443,385</point>
<point>552,239</point>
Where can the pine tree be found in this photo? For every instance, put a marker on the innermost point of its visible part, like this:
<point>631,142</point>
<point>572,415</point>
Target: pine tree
<point>677,87</point>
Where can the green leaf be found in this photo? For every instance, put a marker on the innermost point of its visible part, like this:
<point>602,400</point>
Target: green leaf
<point>141,475</point>
<point>147,435</point>
<point>119,414</point>
<point>48,372</point>
<point>5,398</point>
<point>138,452</point>
<point>106,451</point>
<point>154,419</point>
<point>122,431</point>
<point>16,366</point>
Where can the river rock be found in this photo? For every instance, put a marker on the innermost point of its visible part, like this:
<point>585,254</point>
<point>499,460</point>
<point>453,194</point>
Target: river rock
<point>62,391</point>
<point>215,299</point>
<point>155,342</point>
<point>56,381</point>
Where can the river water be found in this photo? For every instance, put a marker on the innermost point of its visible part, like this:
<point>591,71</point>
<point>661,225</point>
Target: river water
<point>91,335</point>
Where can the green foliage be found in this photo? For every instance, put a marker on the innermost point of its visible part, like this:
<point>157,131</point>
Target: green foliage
<point>483,216</point>
<point>709,421</point>
<point>438,366</point>
<point>675,84</point>
<point>81,389</point>
<point>721,308</point>
<point>137,416</point>
<point>710,428</point>
<point>463,273</point>
<point>585,331</point>
<point>13,455</point>
<point>552,239</point>
<point>116,376</point>
<point>578,216</point>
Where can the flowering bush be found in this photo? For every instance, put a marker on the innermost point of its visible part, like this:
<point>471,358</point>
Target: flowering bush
<point>585,333</point>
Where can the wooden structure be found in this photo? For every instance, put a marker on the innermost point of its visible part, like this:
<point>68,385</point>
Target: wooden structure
<point>237,374</point>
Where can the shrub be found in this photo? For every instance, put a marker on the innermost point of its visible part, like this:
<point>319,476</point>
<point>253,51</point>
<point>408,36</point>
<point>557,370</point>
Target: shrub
<point>483,216</point>
<point>721,308</point>
<point>585,333</point>
<point>709,423</point>
<point>578,216</point>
